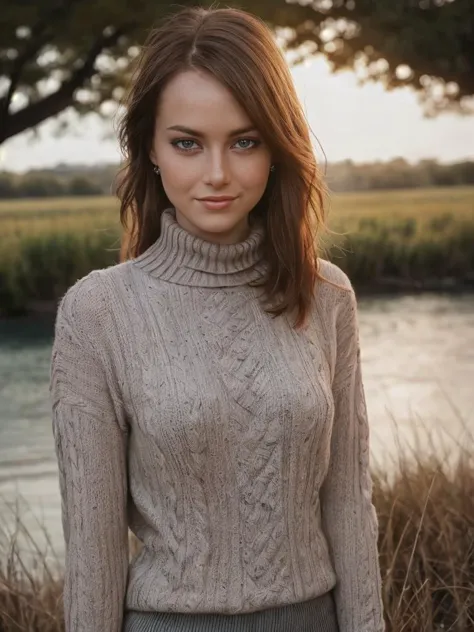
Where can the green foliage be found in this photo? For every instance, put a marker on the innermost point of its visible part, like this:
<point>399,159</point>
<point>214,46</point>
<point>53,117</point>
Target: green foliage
<point>45,266</point>
<point>51,183</point>
<point>83,186</point>
<point>390,255</point>
<point>398,174</point>
<point>82,50</point>
<point>37,186</point>
<point>407,239</point>
<point>7,187</point>
<point>425,44</point>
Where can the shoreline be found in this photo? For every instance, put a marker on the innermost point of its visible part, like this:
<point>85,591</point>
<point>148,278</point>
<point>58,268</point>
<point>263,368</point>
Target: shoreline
<point>397,286</point>
<point>46,309</point>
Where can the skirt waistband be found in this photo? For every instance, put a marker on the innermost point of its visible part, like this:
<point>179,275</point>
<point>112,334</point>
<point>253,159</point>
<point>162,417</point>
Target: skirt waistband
<point>315,615</point>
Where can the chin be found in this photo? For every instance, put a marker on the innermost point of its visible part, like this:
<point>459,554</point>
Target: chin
<point>218,226</point>
<point>215,224</point>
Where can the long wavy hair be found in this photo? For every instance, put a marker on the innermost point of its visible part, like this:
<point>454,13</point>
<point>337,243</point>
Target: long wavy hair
<point>239,50</point>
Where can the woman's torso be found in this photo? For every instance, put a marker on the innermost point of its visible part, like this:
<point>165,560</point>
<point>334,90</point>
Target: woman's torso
<point>229,414</point>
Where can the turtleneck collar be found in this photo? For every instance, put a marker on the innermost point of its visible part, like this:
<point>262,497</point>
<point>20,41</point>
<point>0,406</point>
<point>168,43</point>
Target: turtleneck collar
<point>180,257</point>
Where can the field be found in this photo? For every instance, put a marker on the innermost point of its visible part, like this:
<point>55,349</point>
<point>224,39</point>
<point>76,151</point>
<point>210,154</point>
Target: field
<point>409,238</point>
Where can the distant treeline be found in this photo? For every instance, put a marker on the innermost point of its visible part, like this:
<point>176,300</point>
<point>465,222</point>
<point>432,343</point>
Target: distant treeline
<point>63,180</point>
<point>398,174</point>
<point>33,185</point>
<point>67,180</point>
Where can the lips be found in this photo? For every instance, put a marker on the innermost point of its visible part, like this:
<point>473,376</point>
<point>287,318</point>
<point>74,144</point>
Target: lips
<point>217,199</point>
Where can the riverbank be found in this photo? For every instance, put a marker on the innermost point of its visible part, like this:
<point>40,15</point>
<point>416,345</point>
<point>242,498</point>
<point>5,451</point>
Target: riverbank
<point>426,526</point>
<point>391,241</point>
<point>39,310</point>
<point>25,301</point>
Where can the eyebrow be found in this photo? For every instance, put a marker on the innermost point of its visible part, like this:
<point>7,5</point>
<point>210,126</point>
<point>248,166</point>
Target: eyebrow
<point>193,132</point>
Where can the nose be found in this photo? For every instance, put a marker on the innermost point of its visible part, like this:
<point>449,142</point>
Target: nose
<point>217,169</point>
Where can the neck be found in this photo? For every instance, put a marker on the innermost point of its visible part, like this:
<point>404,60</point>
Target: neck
<point>178,256</point>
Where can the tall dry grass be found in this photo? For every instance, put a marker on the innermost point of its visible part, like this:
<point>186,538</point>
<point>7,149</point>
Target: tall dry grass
<point>425,507</point>
<point>408,239</point>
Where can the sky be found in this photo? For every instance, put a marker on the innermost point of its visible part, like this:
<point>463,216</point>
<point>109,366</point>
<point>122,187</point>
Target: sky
<point>361,123</point>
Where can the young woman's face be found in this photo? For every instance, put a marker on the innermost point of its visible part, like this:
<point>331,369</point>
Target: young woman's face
<point>205,146</point>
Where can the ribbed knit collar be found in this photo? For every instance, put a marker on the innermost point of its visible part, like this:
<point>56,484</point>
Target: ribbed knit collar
<point>180,257</point>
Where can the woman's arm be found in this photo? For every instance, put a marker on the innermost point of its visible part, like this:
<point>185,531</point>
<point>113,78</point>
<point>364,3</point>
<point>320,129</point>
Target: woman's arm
<point>90,440</point>
<point>348,514</point>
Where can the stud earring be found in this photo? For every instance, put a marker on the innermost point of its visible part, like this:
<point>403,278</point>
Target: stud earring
<point>156,169</point>
<point>272,168</point>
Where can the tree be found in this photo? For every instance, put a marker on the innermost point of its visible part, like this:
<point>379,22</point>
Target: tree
<point>425,44</point>
<point>56,54</point>
<point>7,186</point>
<point>83,186</point>
<point>39,186</point>
<point>60,54</point>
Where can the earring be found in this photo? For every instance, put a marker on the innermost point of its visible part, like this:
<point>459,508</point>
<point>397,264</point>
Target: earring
<point>272,168</point>
<point>156,169</point>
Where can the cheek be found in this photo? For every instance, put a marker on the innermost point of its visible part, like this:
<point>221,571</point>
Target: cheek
<point>178,177</point>
<point>254,173</point>
<point>177,171</point>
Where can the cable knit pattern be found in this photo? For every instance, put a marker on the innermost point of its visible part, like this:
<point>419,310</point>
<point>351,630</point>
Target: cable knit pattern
<point>235,447</point>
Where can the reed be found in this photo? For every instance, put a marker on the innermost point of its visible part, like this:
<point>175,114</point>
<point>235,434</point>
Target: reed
<point>393,239</point>
<point>425,507</point>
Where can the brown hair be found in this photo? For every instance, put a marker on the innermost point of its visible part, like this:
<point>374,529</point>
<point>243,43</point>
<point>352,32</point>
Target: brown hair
<point>239,50</point>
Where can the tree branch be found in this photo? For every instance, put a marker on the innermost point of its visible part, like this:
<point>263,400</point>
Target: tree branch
<point>41,34</point>
<point>53,104</point>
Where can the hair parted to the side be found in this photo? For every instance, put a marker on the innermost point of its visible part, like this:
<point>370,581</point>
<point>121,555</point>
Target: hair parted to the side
<point>239,50</point>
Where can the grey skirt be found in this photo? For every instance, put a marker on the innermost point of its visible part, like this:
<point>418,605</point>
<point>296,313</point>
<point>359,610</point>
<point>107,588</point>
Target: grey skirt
<point>315,615</point>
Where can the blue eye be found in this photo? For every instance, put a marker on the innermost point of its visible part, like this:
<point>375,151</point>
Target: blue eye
<point>255,142</point>
<point>175,143</point>
<point>187,144</point>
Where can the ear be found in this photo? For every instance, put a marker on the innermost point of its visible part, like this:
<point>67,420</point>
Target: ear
<point>153,156</point>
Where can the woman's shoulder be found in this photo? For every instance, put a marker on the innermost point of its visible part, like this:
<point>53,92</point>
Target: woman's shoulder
<point>91,292</point>
<point>85,295</point>
<point>92,300</point>
<point>335,294</point>
<point>86,303</point>
<point>334,275</point>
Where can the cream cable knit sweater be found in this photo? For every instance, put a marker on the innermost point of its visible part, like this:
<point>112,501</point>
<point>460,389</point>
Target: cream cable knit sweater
<point>235,447</point>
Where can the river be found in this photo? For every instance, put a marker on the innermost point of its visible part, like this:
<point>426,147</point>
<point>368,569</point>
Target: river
<point>418,370</point>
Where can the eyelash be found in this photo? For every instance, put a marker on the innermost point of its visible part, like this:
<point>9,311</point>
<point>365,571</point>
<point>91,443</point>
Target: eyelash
<point>255,142</point>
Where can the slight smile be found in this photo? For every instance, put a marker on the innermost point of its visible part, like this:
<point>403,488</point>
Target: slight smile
<point>217,198</point>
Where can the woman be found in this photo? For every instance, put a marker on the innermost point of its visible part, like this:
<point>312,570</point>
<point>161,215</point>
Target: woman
<point>188,404</point>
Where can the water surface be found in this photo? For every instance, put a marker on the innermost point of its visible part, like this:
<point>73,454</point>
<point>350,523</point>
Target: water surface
<point>418,370</point>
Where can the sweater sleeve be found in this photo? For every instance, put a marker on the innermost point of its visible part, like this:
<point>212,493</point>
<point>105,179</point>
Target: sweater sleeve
<point>90,437</point>
<point>348,515</point>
